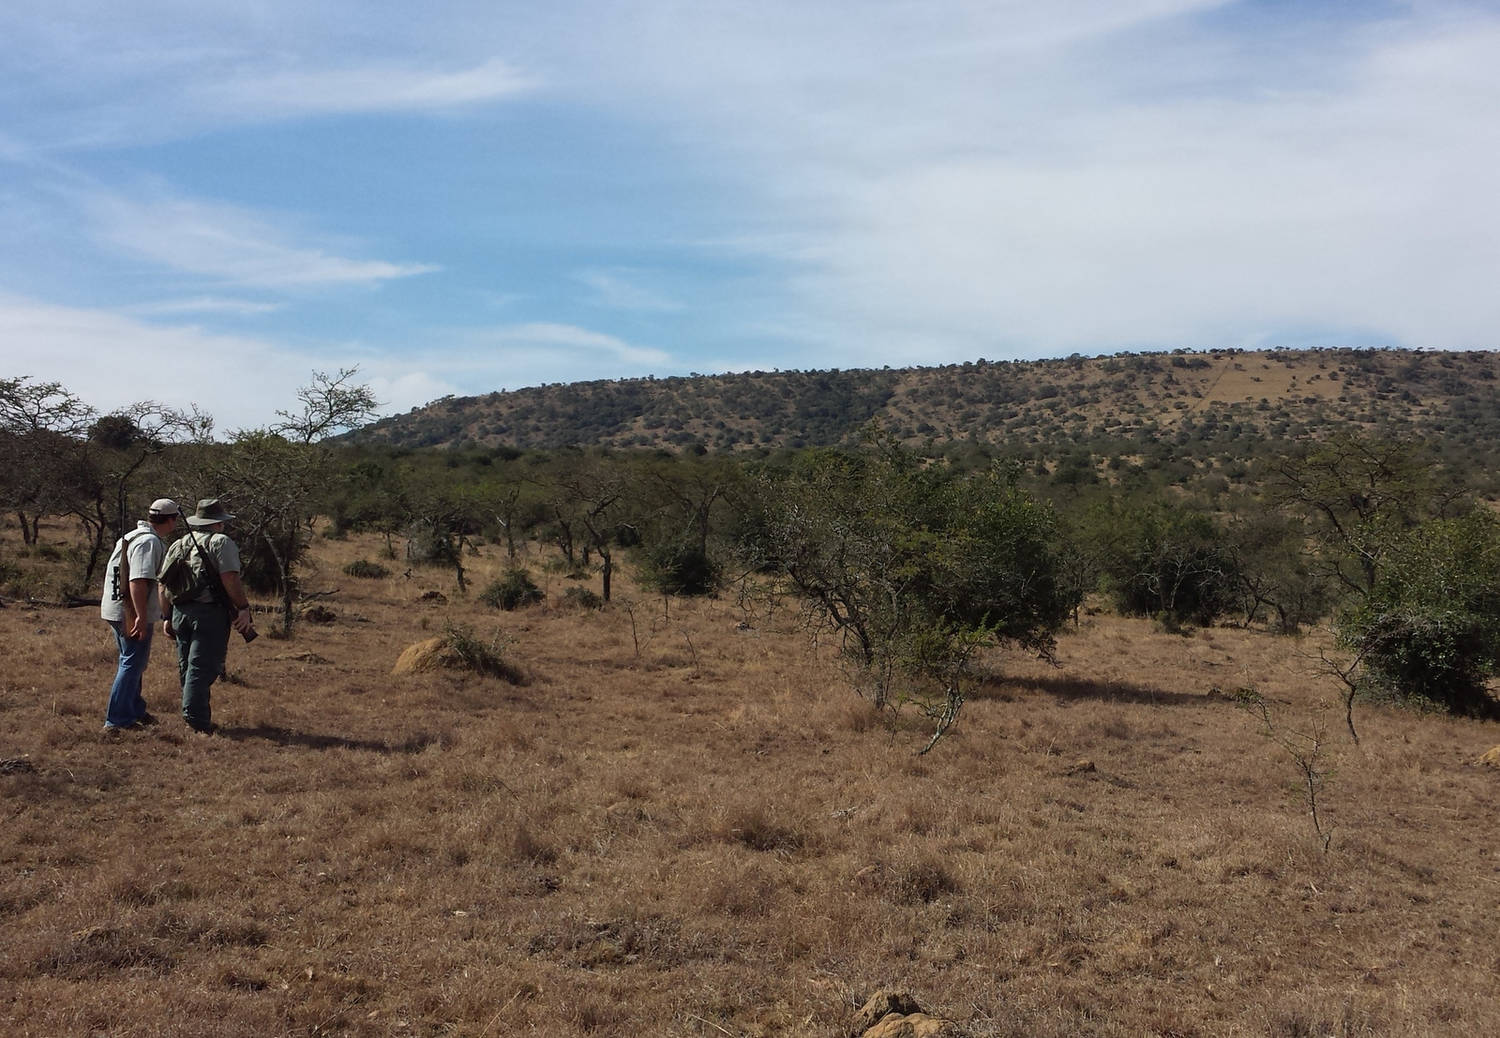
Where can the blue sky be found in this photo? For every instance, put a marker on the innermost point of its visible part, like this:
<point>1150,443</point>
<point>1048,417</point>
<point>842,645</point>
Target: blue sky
<point>203,205</point>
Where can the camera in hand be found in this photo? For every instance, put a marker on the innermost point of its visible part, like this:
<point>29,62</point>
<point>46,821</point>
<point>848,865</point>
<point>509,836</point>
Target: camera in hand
<point>249,633</point>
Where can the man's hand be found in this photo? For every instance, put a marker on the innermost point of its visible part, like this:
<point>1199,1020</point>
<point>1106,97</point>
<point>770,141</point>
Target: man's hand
<point>243,620</point>
<point>136,627</point>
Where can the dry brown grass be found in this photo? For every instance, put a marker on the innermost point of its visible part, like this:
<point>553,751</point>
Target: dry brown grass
<point>712,836</point>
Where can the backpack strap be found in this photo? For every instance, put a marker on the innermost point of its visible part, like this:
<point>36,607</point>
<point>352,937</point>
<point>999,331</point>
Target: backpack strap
<point>129,606</point>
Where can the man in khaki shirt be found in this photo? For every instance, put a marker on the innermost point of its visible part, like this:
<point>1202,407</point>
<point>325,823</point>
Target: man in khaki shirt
<point>201,624</point>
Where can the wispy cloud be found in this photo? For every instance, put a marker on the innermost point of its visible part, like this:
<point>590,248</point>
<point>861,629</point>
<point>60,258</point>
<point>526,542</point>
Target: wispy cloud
<point>538,338</point>
<point>204,305</point>
<point>931,182</point>
<point>372,87</point>
<point>621,289</point>
<point>226,242</point>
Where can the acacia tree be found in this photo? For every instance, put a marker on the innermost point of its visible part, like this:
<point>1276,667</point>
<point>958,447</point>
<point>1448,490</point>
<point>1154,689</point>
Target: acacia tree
<point>57,458</point>
<point>1359,494</point>
<point>588,498</point>
<point>120,445</point>
<point>915,567</point>
<point>41,450</point>
<point>442,514</point>
<point>274,477</point>
<point>331,404</point>
<point>140,432</point>
<point>681,495</point>
<point>1275,574</point>
<point>1175,564</point>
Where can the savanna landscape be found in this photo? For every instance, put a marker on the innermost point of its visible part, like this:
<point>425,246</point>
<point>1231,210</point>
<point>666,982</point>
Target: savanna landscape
<point>597,741</point>
<point>793,519</point>
<point>679,820</point>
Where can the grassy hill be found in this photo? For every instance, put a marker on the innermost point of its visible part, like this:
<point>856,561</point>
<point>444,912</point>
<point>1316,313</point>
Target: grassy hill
<point>1125,404</point>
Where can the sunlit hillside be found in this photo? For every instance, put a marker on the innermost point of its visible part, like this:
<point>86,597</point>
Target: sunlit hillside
<point>1203,402</point>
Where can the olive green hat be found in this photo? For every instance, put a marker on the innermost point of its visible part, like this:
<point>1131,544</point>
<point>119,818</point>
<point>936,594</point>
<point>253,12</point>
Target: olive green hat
<point>209,511</point>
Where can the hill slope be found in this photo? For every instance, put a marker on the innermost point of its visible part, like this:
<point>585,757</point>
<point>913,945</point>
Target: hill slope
<point>1114,403</point>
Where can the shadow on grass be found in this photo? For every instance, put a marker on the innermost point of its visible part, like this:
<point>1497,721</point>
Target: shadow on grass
<point>1072,688</point>
<point>414,743</point>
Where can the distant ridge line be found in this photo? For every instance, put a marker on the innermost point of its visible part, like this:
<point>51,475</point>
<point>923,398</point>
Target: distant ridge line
<point>1117,398</point>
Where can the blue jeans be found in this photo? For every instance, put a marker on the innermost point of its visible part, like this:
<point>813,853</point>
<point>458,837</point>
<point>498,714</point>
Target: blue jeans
<point>202,642</point>
<point>126,706</point>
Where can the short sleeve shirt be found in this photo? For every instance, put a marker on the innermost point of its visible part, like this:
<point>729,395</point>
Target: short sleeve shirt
<point>146,551</point>
<point>224,552</point>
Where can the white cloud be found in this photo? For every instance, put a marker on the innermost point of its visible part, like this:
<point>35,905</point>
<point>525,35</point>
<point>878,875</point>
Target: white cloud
<point>398,391</point>
<point>97,73</point>
<point>242,380</point>
<point>892,181</point>
<point>225,242</point>
<point>1061,186</point>
<point>112,360</point>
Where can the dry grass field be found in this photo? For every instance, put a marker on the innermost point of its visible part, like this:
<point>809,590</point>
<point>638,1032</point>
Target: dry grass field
<point>684,823</point>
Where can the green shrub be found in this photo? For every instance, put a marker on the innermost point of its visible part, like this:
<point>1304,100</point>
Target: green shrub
<point>469,652</point>
<point>367,569</point>
<point>512,591</point>
<point>675,568</point>
<point>1174,565</point>
<point>582,598</point>
<point>568,569</point>
<point>1429,629</point>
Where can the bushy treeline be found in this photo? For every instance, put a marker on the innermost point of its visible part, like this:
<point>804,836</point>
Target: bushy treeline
<point>59,457</point>
<point>915,559</point>
<point>911,558</point>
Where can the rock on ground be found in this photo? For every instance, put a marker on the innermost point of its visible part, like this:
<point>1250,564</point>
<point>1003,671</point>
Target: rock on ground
<point>423,656</point>
<point>915,1025</point>
<point>895,1014</point>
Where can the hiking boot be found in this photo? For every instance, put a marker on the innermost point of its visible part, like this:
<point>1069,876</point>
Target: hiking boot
<point>146,720</point>
<point>116,729</point>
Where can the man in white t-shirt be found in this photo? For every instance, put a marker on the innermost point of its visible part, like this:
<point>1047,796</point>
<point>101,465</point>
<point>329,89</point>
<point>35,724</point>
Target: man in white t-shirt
<point>131,607</point>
